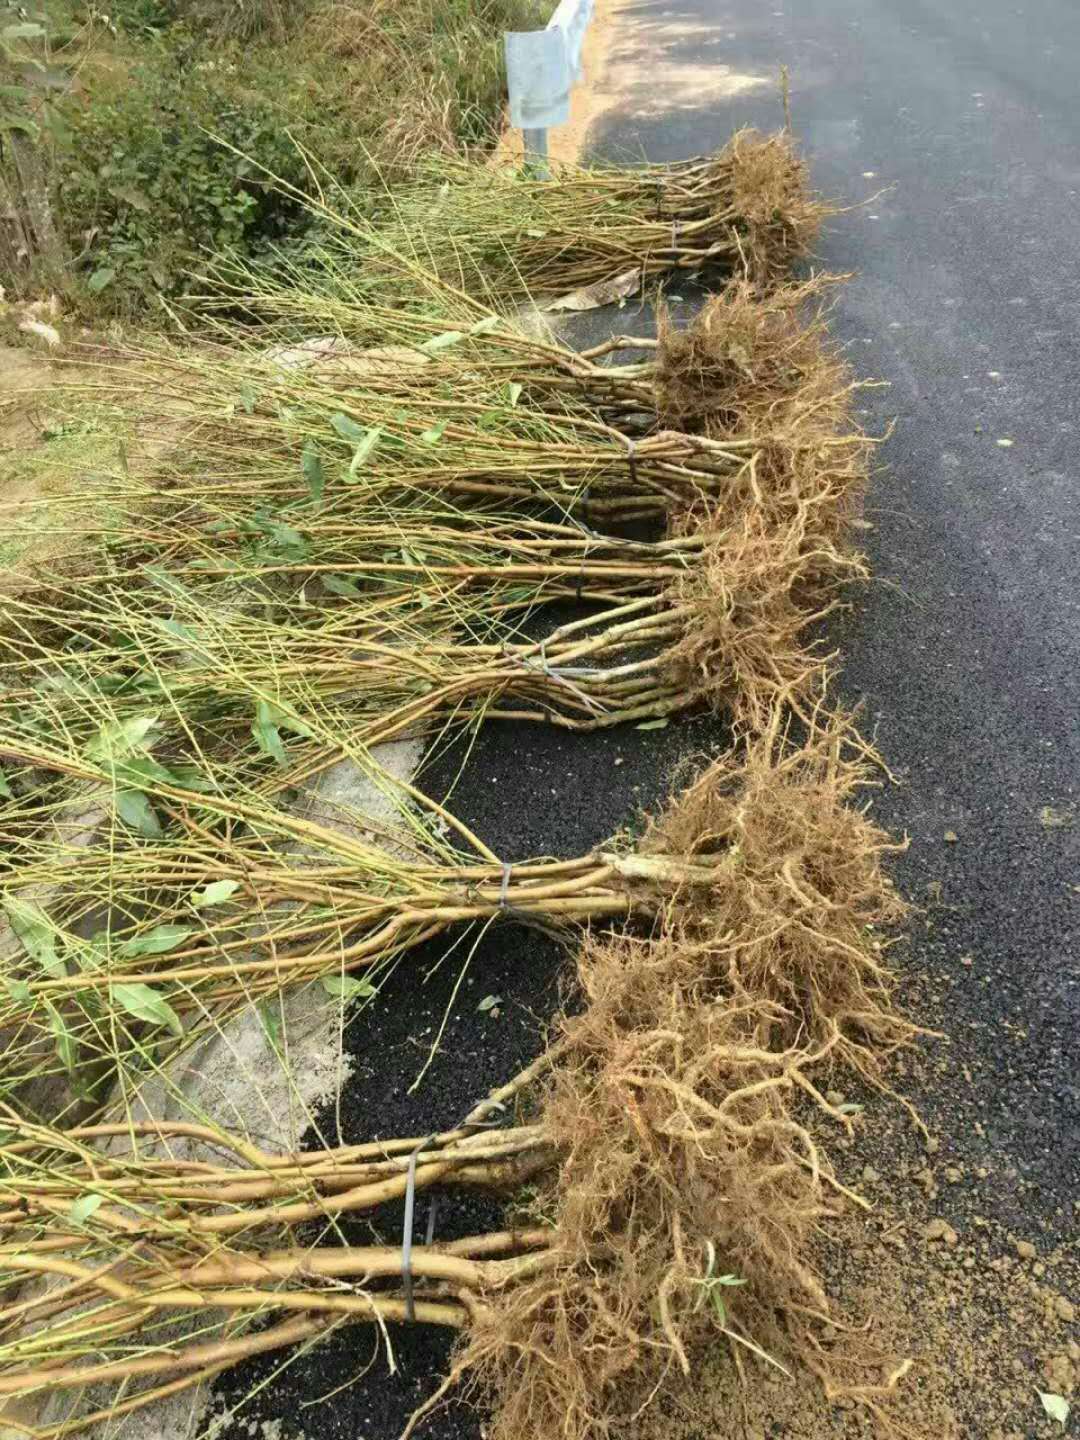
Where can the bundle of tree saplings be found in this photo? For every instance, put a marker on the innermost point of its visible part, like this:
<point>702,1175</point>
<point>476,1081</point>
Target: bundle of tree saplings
<point>670,1137</point>
<point>369,599</point>
<point>123,946</point>
<point>386,653</point>
<point>506,235</point>
<point>686,1112</point>
<point>723,625</point>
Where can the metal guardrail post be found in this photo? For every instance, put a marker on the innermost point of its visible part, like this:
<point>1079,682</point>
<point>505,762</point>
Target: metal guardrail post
<point>541,68</point>
<point>536,151</point>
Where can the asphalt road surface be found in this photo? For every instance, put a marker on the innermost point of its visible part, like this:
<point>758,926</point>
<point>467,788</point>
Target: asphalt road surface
<point>966,652</point>
<point>966,300</point>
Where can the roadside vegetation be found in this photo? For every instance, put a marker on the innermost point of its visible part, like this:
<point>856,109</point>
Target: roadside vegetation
<point>137,138</point>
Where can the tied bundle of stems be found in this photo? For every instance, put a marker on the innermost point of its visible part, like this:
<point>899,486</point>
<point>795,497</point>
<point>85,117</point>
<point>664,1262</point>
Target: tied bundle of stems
<point>139,690</point>
<point>210,607</point>
<point>240,901</point>
<point>360,684</point>
<point>673,1184</point>
<point>508,236</point>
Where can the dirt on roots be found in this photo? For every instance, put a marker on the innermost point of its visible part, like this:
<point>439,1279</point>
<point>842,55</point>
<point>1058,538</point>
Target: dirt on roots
<point>688,1105</point>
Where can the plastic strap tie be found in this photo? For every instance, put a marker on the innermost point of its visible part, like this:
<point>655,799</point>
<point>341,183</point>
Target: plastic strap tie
<point>410,1186</point>
<point>407,1228</point>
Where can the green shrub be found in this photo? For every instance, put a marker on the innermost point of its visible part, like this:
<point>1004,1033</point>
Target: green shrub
<point>151,180</point>
<point>169,134</point>
<point>136,17</point>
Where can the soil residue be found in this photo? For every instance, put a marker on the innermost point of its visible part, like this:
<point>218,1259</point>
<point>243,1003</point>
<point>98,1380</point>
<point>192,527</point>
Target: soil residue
<point>985,1330</point>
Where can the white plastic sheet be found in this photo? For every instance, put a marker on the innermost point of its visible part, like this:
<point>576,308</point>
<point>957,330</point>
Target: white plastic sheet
<point>542,66</point>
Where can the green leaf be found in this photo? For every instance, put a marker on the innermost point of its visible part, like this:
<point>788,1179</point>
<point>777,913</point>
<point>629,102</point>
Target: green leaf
<point>100,280</point>
<point>485,326</point>
<point>341,585</point>
<point>435,434</point>
<point>348,429</point>
<point>19,991</point>
<point>311,466</point>
<point>85,1206</point>
<point>716,1299</point>
<point>514,389</point>
<point>190,777</point>
<point>122,737</point>
<point>36,934</point>
<point>164,581</point>
<point>177,629</point>
<point>270,1016</point>
<point>365,448</point>
<point>66,1048</point>
<point>139,770</point>
<point>215,894</point>
<point>247,398</point>
<point>443,341</point>
<point>134,197</point>
<point>6,791</point>
<point>1056,1406</point>
<point>285,721</point>
<point>489,1002</point>
<point>660,724</point>
<point>266,736</point>
<point>269,721</point>
<point>154,942</point>
<point>147,1004</point>
<point>290,542</point>
<point>135,810</point>
<point>347,987</point>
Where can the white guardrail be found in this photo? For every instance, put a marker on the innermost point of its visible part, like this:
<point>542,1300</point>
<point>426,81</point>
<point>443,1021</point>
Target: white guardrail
<point>541,68</point>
